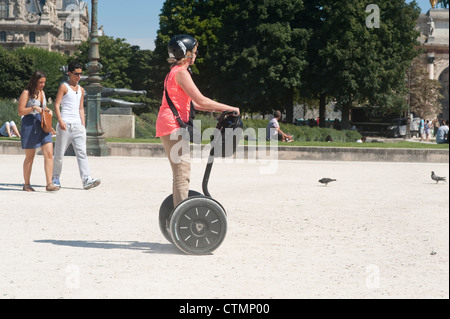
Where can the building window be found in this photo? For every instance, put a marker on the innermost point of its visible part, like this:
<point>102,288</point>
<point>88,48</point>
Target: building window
<point>3,36</point>
<point>4,9</point>
<point>67,32</point>
<point>32,37</point>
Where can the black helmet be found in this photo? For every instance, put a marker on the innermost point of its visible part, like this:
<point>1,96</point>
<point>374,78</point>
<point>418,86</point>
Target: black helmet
<point>180,45</point>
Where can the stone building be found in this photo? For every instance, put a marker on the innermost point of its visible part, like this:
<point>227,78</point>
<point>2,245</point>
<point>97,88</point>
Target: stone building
<point>434,37</point>
<point>54,25</point>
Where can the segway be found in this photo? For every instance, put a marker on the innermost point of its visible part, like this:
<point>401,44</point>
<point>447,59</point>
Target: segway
<point>198,225</point>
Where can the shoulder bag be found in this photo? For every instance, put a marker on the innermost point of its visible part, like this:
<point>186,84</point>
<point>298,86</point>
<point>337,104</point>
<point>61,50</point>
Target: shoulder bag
<point>46,118</point>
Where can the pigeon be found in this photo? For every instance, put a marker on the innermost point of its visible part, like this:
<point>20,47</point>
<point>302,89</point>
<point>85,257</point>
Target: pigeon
<point>326,181</point>
<point>437,178</point>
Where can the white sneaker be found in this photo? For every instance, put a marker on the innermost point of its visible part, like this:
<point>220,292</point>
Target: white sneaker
<point>89,182</point>
<point>56,182</point>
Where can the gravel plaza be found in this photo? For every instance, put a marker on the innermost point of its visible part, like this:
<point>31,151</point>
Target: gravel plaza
<point>380,231</point>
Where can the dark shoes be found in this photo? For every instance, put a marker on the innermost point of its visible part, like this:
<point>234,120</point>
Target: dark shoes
<point>49,188</point>
<point>28,188</point>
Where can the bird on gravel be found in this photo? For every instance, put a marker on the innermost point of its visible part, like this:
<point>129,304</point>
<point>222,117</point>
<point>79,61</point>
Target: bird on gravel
<point>326,181</point>
<point>436,178</point>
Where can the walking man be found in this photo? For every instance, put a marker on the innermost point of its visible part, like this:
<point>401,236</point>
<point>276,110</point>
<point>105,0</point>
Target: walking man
<point>71,128</point>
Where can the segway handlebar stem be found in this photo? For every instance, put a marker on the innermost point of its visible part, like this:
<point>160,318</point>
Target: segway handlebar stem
<point>211,158</point>
<point>208,173</point>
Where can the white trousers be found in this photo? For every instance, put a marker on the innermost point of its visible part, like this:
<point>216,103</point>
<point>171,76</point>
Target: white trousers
<point>75,135</point>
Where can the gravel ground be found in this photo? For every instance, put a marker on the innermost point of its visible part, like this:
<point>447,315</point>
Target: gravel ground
<point>380,231</point>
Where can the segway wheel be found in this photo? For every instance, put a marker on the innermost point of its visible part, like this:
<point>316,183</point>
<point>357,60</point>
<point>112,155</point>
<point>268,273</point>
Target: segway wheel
<point>198,226</point>
<point>165,211</point>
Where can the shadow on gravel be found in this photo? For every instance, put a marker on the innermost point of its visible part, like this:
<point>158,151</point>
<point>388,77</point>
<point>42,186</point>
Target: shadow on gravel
<point>148,248</point>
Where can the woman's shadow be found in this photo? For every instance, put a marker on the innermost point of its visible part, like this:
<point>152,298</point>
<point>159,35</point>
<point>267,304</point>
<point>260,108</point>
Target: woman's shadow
<point>11,187</point>
<point>147,248</point>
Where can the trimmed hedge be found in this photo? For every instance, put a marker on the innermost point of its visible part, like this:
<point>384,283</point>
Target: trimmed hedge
<point>306,133</point>
<point>145,128</point>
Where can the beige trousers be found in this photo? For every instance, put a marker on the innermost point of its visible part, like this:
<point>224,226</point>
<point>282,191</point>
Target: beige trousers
<point>178,152</point>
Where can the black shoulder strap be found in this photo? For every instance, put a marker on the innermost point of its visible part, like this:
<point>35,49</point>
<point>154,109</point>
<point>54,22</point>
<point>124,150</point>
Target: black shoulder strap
<point>174,109</point>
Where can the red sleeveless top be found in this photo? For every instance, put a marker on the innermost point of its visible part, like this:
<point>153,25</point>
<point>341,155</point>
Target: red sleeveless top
<point>166,123</point>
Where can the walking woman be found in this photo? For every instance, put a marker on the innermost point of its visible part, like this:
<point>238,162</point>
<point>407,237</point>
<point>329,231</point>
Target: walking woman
<point>181,89</point>
<point>32,101</point>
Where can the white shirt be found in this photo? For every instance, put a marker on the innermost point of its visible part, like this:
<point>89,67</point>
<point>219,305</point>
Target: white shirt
<point>272,130</point>
<point>70,105</point>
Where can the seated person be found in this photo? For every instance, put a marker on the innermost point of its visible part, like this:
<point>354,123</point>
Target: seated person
<point>9,129</point>
<point>442,134</point>
<point>361,140</point>
<point>274,133</point>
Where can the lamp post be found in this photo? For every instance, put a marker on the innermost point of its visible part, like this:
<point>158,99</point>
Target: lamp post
<point>96,144</point>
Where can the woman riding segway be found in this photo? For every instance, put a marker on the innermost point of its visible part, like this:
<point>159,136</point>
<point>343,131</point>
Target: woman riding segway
<point>181,98</point>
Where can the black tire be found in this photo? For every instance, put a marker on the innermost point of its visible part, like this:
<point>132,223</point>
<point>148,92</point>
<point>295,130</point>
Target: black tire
<point>198,226</point>
<point>165,211</point>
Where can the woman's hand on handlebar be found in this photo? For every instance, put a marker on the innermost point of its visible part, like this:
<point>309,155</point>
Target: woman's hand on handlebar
<point>235,111</point>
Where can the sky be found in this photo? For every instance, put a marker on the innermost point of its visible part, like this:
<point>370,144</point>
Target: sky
<point>138,20</point>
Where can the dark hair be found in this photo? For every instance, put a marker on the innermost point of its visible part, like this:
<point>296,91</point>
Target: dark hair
<point>73,66</point>
<point>277,114</point>
<point>32,85</point>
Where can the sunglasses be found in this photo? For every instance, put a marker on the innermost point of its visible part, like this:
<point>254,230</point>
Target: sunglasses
<point>77,74</point>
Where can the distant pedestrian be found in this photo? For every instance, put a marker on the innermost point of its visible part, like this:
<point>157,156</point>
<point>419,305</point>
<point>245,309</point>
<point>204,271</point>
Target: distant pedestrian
<point>427,131</point>
<point>421,129</point>
<point>69,109</point>
<point>436,126</point>
<point>31,103</point>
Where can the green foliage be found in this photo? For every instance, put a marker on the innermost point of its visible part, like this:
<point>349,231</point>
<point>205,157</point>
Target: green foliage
<point>114,56</point>
<point>16,68</point>
<point>8,112</point>
<point>257,55</point>
<point>252,51</point>
<point>146,125</point>
<point>48,62</point>
<point>15,72</point>
<point>125,66</point>
<point>357,64</point>
<point>303,133</point>
<point>145,129</point>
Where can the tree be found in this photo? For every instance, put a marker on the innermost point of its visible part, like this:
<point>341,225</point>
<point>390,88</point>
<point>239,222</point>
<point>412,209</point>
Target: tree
<point>114,56</point>
<point>260,55</point>
<point>48,62</point>
<point>124,66</point>
<point>443,3</point>
<point>355,63</point>
<point>252,52</point>
<point>425,95</point>
<point>15,72</point>
<point>201,19</point>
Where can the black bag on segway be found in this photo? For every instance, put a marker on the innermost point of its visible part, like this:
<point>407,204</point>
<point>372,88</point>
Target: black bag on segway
<point>229,131</point>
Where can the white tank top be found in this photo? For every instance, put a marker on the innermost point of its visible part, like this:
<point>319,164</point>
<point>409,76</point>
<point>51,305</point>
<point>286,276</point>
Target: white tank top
<point>70,105</point>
